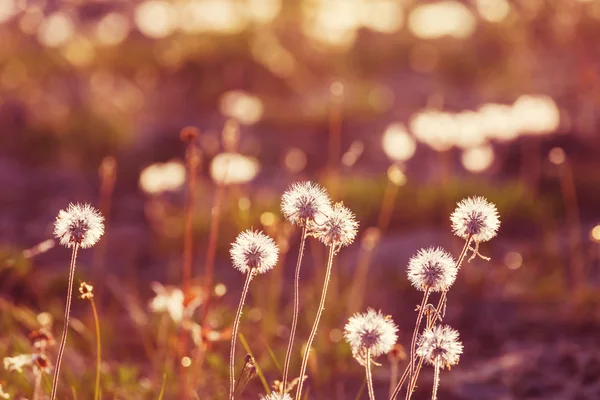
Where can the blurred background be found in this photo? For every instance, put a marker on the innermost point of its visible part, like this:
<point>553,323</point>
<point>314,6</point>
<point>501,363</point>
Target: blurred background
<point>399,107</point>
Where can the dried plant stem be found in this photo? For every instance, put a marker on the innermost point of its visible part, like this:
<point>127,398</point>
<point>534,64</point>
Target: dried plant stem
<point>413,381</point>
<point>413,343</point>
<point>436,380</point>
<point>393,376</point>
<point>369,376</point>
<point>399,385</point>
<point>288,354</point>
<point>37,388</point>
<point>63,340</point>
<point>234,334</point>
<point>440,310</point>
<point>98,350</point>
<point>313,332</point>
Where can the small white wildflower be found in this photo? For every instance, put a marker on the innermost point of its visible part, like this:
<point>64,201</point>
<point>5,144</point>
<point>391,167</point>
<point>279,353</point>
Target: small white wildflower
<point>254,251</point>
<point>168,299</point>
<point>338,228</point>
<point>79,224</point>
<point>304,202</point>
<point>475,217</point>
<point>440,344</point>
<point>371,331</point>
<point>432,269</point>
<point>17,363</point>
<point>276,396</point>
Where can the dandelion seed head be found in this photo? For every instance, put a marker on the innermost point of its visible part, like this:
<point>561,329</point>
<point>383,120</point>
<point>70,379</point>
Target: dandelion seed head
<point>477,217</point>
<point>304,201</point>
<point>372,331</point>
<point>432,268</point>
<point>338,228</point>
<point>276,396</point>
<point>79,224</point>
<point>253,251</point>
<point>440,344</point>
<point>168,299</point>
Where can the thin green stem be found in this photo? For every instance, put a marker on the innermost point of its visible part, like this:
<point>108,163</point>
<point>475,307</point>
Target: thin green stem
<point>369,376</point>
<point>63,340</point>
<point>313,332</point>
<point>98,350</point>
<point>288,354</point>
<point>234,334</point>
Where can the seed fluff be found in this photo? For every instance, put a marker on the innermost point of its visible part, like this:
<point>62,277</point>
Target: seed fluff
<point>371,331</point>
<point>79,224</point>
<point>338,228</point>
<point>440,344</point>
<point>254,251</point>
<point>276,396</point>
<point>432,268</point>
<point>477,217</point>
<point>303,202</point>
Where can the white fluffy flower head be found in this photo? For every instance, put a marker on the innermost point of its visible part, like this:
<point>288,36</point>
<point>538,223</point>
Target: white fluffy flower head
<point>79,224</point>
<point>372,331</point>
<point>338,228</point>
<point>432,269</point>
<point>477,217</point>
<point>276,396</point>
<point>440,344</point>
<point>253,251</point>
<point>303,202</point>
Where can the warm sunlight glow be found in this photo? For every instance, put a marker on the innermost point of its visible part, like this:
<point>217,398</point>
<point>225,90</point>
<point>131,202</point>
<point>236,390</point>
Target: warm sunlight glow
<point>444,18</point>
<point>233,168</point>
<point>493,10</point>
<point>56,30</point>
<point>112,29</point>
<point>295,160</point>
<point>8,8</point>
<point>595,233</point>
<point>156,18</point>
<point>162,177</point>
<point>242,106</point>
<point>536,114</point>
<point>397,143</point>
<point>478,159</point>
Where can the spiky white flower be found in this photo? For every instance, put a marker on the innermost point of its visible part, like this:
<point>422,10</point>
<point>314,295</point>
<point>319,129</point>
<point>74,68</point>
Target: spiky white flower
<point>337,228</point>
<point>304,201</point>
<point>432,269</point>
<point>17,363</point>
<point>440,344</point>
<point>276,396</point>
<point>254,251</point>
<point>475,217</point>
<point>372,331</point>
<point>79,224</point>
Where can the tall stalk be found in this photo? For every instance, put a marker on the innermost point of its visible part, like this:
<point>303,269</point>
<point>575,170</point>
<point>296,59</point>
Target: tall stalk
<point>399,385</point>
<point>436,380</point>
<point>234,334</point>
<point>413,343</point>
<point>313,332</point>
<point>98,350</point>
<point>63,340</point>
<point>413,380</point>
<point>369,376</point>
<point>288,354</point>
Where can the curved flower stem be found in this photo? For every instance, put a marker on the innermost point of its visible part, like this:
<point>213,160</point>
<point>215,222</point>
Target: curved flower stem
<point>369,376</point>
<point>313,332</point>
<point>399,385</point>
<point>436,380</point>
<point>63,340</point>
<point>413,343</point>
<point>413,381</point>
<point>234,335</point>
<point>288,354</point>
<point>98,350</point>
<point>440,310</point>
